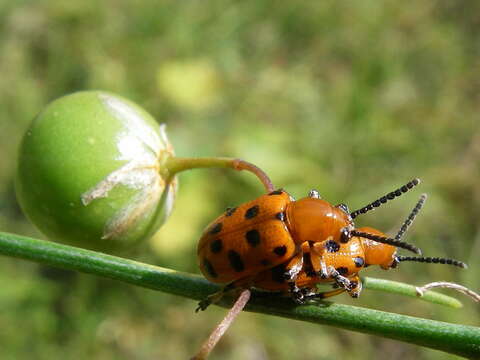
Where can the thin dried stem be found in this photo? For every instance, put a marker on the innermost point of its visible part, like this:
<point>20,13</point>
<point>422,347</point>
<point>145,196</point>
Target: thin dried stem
<point>221,328</point>
<point>175,165</point>
<point>442,284</point>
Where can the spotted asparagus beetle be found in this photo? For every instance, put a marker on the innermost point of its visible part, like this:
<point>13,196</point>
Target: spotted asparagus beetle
<point>275,241</point>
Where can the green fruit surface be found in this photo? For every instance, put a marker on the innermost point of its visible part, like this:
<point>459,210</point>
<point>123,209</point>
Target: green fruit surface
<point>72,145</point>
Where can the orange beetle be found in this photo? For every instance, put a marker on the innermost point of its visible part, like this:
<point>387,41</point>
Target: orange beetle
<point>275,229</point>
<point>343,262</point>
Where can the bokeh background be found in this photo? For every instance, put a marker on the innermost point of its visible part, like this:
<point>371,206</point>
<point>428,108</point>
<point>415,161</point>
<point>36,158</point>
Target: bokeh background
<point>352,98</point>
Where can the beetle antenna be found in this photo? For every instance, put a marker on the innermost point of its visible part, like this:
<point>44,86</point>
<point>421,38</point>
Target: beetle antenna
<point>434,260</point>
<point>409,221</point>
<point>390,196</point>
<point>387,240</point>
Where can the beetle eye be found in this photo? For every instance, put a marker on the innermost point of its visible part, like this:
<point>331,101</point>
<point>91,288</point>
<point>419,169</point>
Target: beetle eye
<point>394,263</point>
<point>344,208</point>
<point>314,194</point>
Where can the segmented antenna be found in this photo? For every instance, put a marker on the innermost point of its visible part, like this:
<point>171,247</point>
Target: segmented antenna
<point>408,222</point>
<point>386,240</point>
<point>390,196</point>
<point>434,260</point>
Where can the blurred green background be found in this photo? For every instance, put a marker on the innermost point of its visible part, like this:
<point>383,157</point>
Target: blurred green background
<point>352,98</point>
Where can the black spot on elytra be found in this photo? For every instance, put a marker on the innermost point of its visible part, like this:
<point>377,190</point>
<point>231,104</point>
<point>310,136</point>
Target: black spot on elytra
<point>332,246</point>
<point>280,216</point>
<point>342,270</point>
<point>216,228</point>
<point>265,262</point>
<point>252,212</point>
<point>276,192</point>
<point>216,246</point>
<point>253,237</point>
<point>209,267</point>
<point>280,250</point>
<point>235,261</point>
<point>359,262</point>
<point>230,211</point>
<point>278,273</point>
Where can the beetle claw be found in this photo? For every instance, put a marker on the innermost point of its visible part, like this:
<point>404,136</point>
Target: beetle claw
<point>203,305</point>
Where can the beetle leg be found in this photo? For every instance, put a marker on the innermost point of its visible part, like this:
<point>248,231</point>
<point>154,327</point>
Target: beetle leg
<point>352,286</point>
<point>324,295</point>
<point>297,293</point>
<point>210,299</point>
<point>355,286</point>
<point>233,288</point>
<point>295,265</point>
<point>317,260</point>
<point>342,281</point>
<point>323,269</point>
<point>315,257</point>
<point>215,297</point>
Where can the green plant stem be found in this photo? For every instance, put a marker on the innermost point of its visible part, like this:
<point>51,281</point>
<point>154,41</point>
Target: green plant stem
<point>456,339</point>
<point>178,164</point>
<point>173,165</point>
<point>399,288</point>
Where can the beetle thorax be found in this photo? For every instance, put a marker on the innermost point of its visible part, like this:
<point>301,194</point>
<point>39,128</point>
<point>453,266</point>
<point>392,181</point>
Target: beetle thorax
<point>377,253</point>
<point>315,220</point>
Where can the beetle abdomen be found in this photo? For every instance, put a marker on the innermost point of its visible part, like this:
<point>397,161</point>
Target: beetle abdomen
<point>246,240</point>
